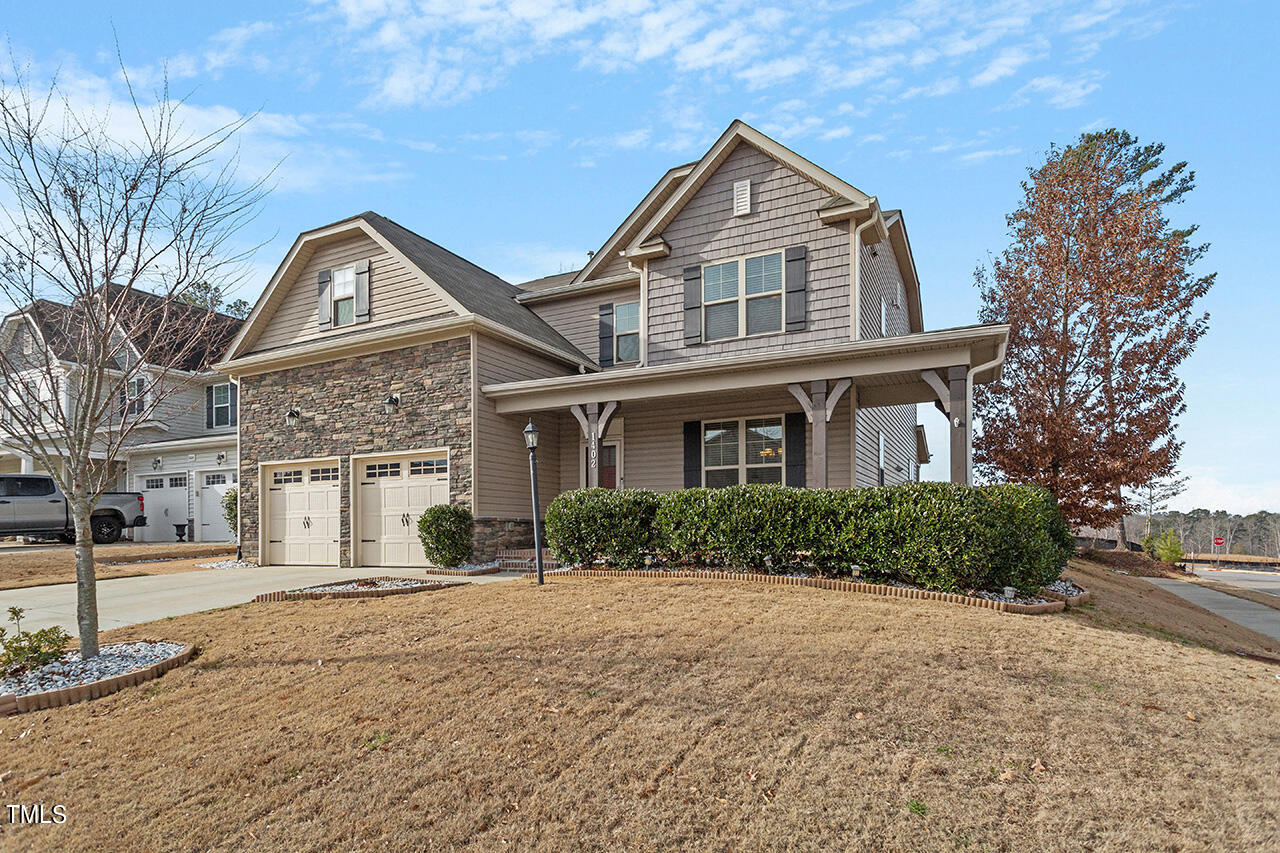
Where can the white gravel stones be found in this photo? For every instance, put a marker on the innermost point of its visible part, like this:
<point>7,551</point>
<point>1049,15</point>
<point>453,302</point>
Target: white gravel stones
<point>1066,587</point>
<point>989,595</point>
<point>71,671</point>
<point>228,564</point>
<point>406,583</point>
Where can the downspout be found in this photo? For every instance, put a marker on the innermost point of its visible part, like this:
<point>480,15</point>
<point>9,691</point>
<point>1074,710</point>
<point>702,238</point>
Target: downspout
<point>968,405</point>
<point>855,295</point>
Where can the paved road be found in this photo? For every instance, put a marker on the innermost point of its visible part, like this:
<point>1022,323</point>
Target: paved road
<point>1257,617</point>
<point>1261,581</point>
<point>130,601</point>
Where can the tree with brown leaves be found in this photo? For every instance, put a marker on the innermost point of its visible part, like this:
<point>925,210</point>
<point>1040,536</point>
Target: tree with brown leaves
<point>1101,296</point>
<point>107,228</point>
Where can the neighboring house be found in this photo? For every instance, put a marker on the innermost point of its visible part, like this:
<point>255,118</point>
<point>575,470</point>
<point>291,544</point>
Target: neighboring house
<point>183,457</point>
<point>715,338</point>
<point>1105,537</point>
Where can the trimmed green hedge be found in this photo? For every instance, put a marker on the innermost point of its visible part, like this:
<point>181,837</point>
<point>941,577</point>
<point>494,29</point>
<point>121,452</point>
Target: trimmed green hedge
<point>937,535</point>
<point>445,531</point>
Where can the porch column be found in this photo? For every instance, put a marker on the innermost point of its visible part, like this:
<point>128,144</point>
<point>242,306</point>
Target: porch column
<point>961,433</point>
<point>27,465</point>
<point>819,403</point>
<point>594,422</point>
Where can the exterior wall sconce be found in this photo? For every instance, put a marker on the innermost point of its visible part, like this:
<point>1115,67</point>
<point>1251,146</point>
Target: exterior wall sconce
<point>292,417</point>
<point>156,463</point>
<point>222,457</point>
<point>391,405</point>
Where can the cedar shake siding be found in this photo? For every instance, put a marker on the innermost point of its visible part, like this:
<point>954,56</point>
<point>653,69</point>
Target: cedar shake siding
<point>501,459</point>
<point>396,293</point>
<point>783,214</point>
<point>340,403</point>
<point>577,317</point>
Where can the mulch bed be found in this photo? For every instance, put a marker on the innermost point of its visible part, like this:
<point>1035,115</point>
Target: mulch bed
<point>1052,606</point>
<point>11,703</point>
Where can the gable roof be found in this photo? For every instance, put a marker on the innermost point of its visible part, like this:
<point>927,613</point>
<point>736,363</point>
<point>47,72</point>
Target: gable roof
<point>738,132</point>
<point>469,289</point>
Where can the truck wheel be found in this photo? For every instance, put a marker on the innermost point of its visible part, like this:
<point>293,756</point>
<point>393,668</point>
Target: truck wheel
<point>67,538</point>
<point>106,530</point>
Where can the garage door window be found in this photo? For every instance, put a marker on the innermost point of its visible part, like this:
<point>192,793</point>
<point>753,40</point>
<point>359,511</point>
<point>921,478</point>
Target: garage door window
<point>382,469</point>
<point>178,482</point>
<point>153,483</point>
<point>324,475</point>
<point>215,479</point>
<point>428,467</point>
<point>285,478</point>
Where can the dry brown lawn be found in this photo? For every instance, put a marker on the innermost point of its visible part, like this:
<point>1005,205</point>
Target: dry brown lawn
<point>57,564</point>
<point>645,715</point>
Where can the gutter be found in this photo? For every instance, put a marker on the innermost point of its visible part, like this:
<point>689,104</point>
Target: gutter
<point>855,289</point>
<point>968,403</point>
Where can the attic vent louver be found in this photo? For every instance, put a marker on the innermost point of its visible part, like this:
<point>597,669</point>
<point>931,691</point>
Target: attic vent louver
<point>741,198</point>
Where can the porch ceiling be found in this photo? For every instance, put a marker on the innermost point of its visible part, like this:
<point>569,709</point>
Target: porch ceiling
<point>885,370</point>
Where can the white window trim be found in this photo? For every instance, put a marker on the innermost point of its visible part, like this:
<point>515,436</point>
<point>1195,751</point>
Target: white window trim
<point>742,297</point>
<point>135,405</point>
<point>226,405</point>
<point>334,300</point>
<point>742,465</point>
<point>617,334</point>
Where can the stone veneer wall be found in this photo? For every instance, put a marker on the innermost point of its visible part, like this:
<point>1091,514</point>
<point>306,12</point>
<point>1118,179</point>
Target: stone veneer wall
<point>341,407</point>
<point>492,535</point>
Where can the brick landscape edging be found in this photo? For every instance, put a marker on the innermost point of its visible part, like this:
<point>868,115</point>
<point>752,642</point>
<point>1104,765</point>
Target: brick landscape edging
<point>429,586</point>
<point>824,583</point>
<point>466,573</point>
<point>11,703</point>
<point>1072,601</point>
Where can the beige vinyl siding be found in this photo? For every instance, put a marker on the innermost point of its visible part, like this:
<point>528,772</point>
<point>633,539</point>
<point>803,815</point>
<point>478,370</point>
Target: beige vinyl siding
<point>653,437</point>
<point>783,213</point>
<point>397,293</point>
<point>501,476</point>
<point>578,317</point>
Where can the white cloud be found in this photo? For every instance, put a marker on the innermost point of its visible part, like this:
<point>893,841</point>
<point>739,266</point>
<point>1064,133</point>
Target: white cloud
<point>987,154</point>
<point>1059,92</point>
<point>1206,490</point>
<point>836,133</point>
<point>1005,63</point>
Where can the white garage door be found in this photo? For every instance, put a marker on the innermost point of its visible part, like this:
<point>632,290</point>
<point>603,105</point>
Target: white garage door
<point>164,500</point>
<point>213,521</point>
<point>302,515</point>
<point>393,493</point>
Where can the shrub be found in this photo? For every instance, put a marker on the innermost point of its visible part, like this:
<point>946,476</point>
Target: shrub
<point>445,531</point>
<point>1168,547</point>
<point>937,535</point>
<point>28,649</point>
<point>615,526</point>
<point>231,510</point>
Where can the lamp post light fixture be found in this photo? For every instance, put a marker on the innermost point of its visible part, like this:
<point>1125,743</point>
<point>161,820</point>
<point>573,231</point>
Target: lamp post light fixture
<point>531,442</point>
<point>292,416</point>
<point>391,405</point>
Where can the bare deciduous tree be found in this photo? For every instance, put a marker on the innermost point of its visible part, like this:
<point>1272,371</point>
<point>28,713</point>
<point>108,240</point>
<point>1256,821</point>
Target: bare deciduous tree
<point>105,226</point>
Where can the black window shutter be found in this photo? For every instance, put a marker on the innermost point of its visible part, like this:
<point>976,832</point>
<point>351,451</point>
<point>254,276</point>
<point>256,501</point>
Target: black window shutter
<point>794,426</point>
<point>208,407</point>
<point>606,335</point>
<point>692,454</point>
<point>324,298</point>
<point>362,291</point>
<point>795,258</point>
<point>235,404</point>
<point>692,305</point>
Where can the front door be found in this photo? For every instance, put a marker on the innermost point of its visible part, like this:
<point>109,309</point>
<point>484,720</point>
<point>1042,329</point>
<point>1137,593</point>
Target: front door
<point>610,464</point>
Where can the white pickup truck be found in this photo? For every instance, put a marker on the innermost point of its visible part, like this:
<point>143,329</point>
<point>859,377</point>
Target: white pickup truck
<point>33,505</point>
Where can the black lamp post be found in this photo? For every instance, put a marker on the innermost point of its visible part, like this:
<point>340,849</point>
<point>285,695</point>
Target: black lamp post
<point>531,441</point>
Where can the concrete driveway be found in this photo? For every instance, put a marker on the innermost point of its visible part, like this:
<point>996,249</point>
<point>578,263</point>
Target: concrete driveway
<point>1260,581</point>
<point>131,601</point>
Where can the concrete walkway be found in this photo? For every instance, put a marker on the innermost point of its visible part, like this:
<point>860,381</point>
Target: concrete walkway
<point>131,601</point>
<point>1256,617</point>
<point>1261,581</point>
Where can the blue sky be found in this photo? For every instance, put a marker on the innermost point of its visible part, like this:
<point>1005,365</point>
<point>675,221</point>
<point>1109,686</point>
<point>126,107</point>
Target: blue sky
<point>520,133</point>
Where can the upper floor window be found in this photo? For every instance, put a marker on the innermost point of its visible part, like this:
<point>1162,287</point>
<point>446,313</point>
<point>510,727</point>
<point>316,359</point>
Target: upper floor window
<point>626,332</point>
<point>220,405</point>
<point>743,297</point>
<point>135,396</point>
<point>746,450</point>
<point>344,296</point>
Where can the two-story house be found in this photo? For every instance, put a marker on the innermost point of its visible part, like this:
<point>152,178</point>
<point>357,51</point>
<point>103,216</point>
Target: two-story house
<point>181,451</point>
<point>755,319</point>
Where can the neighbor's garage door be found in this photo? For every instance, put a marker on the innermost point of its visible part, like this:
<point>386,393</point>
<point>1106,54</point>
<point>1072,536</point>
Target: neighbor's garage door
<point>393,492</point>
<point>302,515</point>
<point>164,499</point>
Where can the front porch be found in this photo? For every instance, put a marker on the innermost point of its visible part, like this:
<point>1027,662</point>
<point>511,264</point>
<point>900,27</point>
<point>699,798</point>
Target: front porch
<point>829,417</point>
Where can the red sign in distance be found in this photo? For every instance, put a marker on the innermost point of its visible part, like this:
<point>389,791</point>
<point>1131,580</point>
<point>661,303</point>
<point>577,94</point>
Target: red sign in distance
<point>1218,540</point>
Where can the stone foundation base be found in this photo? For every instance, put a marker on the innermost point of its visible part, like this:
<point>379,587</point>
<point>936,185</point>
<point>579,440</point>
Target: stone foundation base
<point>492,535</point>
